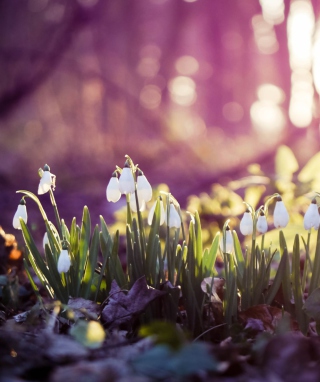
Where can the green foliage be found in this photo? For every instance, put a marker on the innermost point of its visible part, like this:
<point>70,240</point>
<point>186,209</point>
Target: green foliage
<point>177,260</point>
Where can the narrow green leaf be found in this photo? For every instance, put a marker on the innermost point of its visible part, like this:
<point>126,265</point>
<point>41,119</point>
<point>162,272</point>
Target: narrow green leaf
<point>90,265</point>
<point>238,254</point>
<point>210,257</point>
<point>85,233</point>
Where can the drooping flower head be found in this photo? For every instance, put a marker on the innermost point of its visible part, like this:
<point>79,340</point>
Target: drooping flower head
<point>174,220</point>
<point>162,212</point>
<point>126,180</point>
<point>144,188</point>
<point>311,217</point>
<point>113,190</point>
<point>47,180</point>
<point>20,213</point>
<point>246,224</point>
<point>280,214</point>
<point>64,260</point>
<point>133,203</point>
<point>45,241</point>
<point>262,224</point>
<point>229,240</point>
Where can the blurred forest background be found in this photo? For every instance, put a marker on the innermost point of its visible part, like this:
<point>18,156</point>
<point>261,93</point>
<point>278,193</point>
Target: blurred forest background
<point>193,90</point>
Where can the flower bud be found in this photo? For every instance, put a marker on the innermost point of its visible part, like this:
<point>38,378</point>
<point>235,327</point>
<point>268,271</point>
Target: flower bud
<point>45,241</point>
<point>229,241</point>
<point>113,191</point>
<point>311,217</point>
<point>246,224</point>
<point>20,213</point>
<point>280,214</point>
<point>64,261</point>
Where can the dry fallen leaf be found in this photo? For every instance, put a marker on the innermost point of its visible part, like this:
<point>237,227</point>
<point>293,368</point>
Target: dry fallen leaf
<point>123,307</point>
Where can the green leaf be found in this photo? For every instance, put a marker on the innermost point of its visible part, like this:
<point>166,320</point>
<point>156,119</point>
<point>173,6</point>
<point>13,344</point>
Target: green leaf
<point>278,278</point>
<point>81,256</point>
<point>285,163</point>
<point>296,286</point>
<point>311,170</point>
<point>209,258</point>
<point>152,245</point>
<point>37,261</point>
<point>89,333</point>
<point>315,278</point>
<point>90,265</point>
<point>164,363</point>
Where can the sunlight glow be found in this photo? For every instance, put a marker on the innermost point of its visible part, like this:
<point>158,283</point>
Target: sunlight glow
<point>267,117</point>
<point>182,90</point>
<point>270,92</point>
<point>300,26</point>
<point>316,58</point>
<point>273,11</point>
<point>264,35</point>
<point>187,65</point>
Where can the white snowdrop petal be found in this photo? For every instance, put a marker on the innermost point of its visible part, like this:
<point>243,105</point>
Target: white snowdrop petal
<point>45,241</point>
<point>64,261</point>
<point>113,191</point>
<point>280,215</point>
<point>229,241</point>
<point>133,204</point>
<point>246,224</point>
<point>45,183</point>
<point>126,181</point>
<point>151,213</point>
<point>20,213</point>
<point>174,218</point>
<point>311,217</point>
<point>262,224</point>
<point>144,188</point>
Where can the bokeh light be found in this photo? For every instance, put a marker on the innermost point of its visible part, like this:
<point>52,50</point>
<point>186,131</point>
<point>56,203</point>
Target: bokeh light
<point>182,90</point>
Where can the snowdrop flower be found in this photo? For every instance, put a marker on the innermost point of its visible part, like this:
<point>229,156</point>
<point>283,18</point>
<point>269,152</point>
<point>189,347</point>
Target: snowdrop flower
<point>311,217</point>
<point>133,204</point>
<point>162,213</point>
<point>246,224</point>
<point>280,214</point>
<point>174,220</point>
<point>45,241</point>
<point>262,224</point>
<point>144,188</point>
<point>113,191</point>
<point>126,180</point>
<point>20,213</point>
<point>64,261</point>
<point>229,241</point>
<point>47,180</point>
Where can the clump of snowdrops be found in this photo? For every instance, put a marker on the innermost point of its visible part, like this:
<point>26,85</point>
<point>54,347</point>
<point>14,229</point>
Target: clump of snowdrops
<point>76,262</point>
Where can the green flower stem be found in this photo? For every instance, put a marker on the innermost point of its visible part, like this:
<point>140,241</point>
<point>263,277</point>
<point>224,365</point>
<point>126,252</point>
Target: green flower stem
<point>35,199</point>
<point>307,261</point>
<point>262,242</point>
<point>56,213</point>
<point>129,215</point>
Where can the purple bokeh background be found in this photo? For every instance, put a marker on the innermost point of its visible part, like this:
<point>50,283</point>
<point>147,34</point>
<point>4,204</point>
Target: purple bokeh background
<point>84,82</point>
